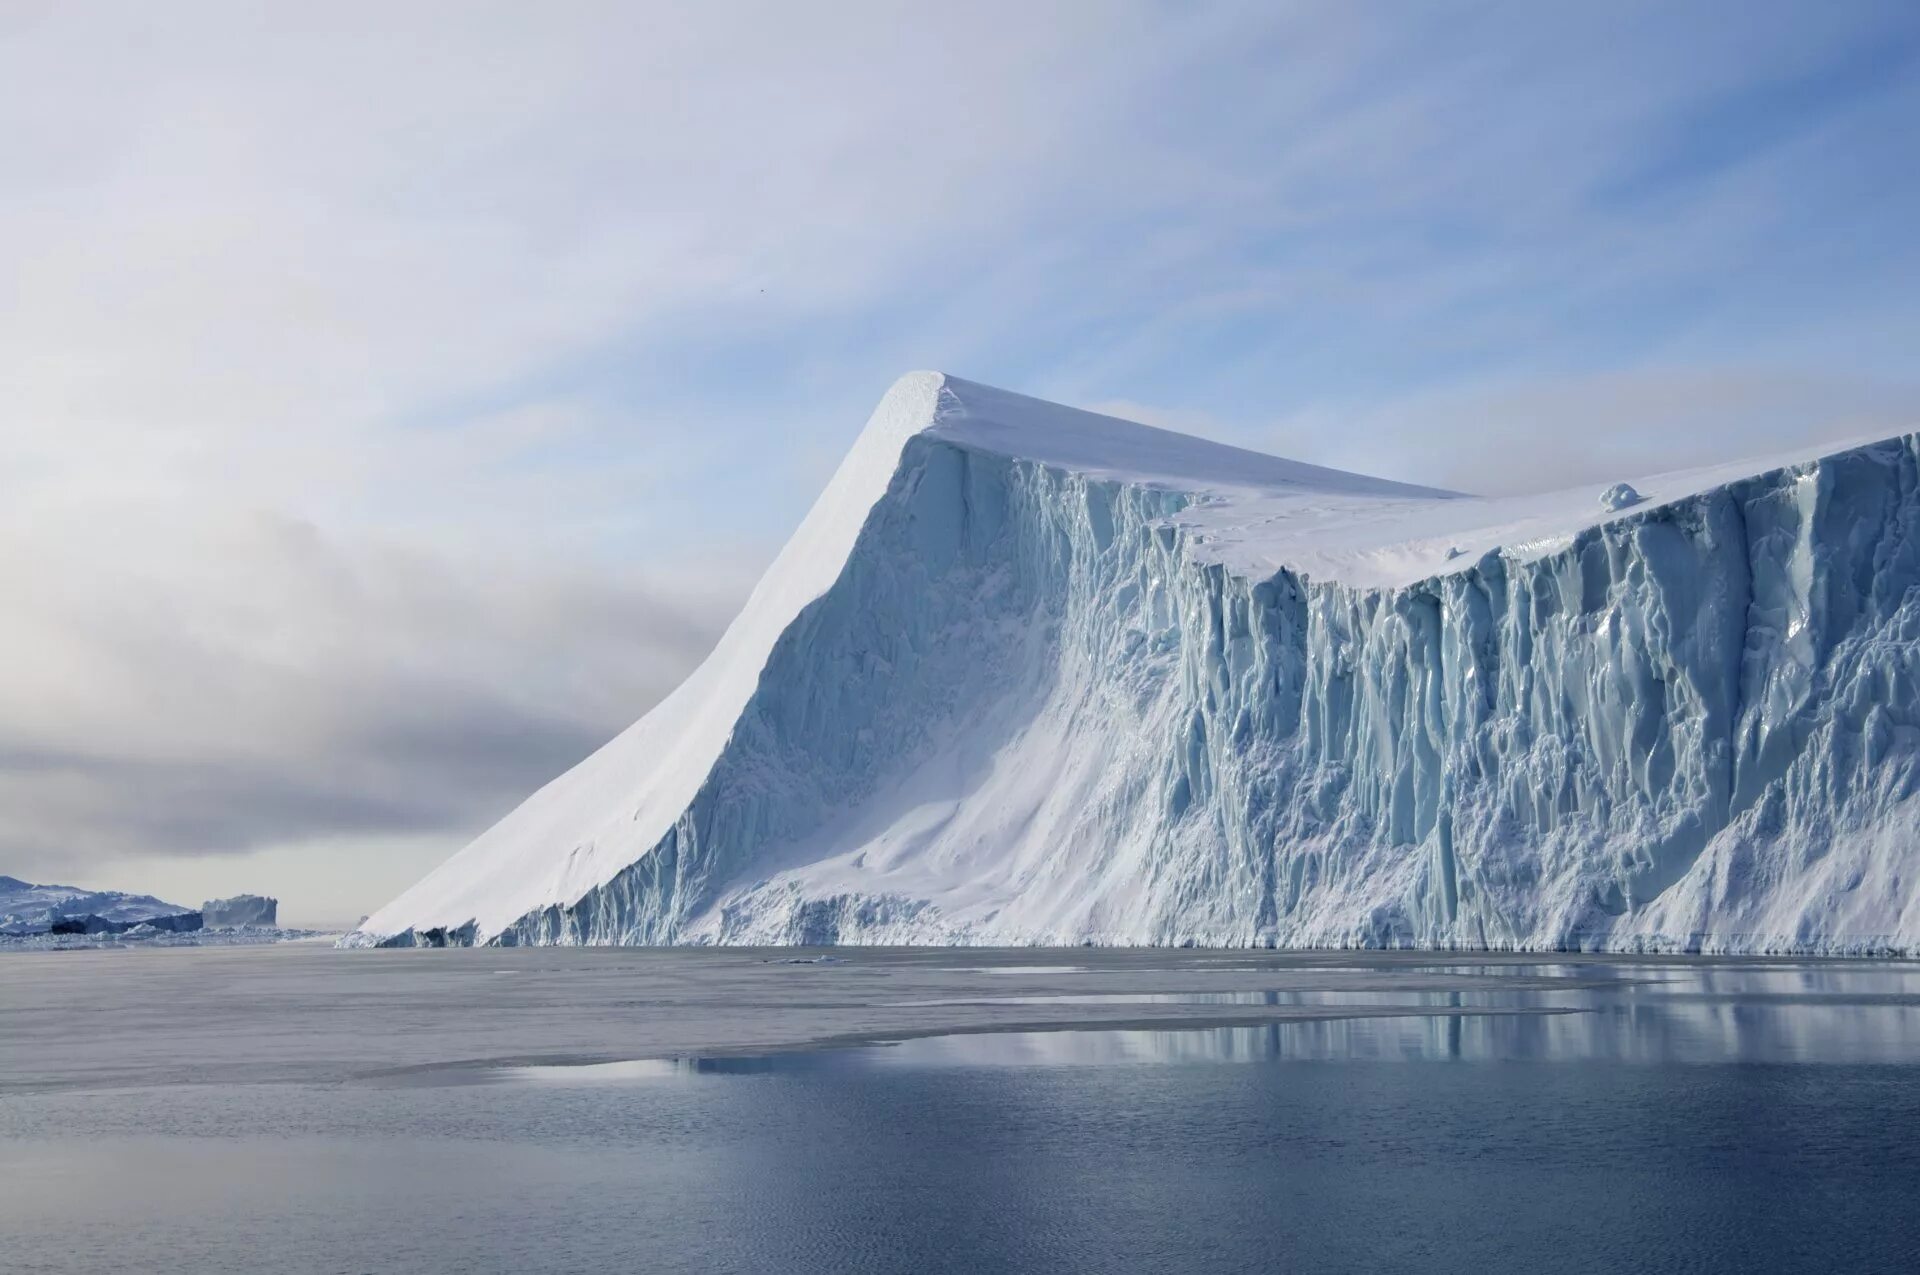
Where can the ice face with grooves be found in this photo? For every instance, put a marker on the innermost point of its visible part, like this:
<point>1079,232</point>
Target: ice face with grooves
<point>1031,675</point>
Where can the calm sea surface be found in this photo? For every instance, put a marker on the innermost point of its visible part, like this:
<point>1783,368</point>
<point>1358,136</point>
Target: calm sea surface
<point>307,1110</point>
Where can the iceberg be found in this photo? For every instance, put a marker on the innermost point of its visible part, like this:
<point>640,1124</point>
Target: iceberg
<point>253,911</point>
<point>1618,497</point>
<point>1030,675</point>
<point>28,909</point>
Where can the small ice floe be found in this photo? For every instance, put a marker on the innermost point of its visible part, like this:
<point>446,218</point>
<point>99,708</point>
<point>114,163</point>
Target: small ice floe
<point>1619,496</point>
<point>806,960</point>
<point>1455,551</point>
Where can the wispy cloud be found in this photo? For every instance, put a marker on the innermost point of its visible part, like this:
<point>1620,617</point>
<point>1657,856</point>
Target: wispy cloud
<point>1500,437</point>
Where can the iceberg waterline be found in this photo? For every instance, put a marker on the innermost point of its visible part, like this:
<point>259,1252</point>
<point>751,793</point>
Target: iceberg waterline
<point>1050,692</point>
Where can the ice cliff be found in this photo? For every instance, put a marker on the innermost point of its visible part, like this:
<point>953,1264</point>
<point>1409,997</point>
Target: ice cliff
<point>255,911</point>
<point>1030,675</point>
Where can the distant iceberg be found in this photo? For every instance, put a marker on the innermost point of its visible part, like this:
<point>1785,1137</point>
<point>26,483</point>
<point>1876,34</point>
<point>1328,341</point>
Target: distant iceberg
<point>27,909</point>
<point>64,916</point>
<point>1031,675</point>
<point>242,910</point>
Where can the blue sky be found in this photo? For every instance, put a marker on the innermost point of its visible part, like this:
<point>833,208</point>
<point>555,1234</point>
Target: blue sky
<point>1393,241</point>
<point>399,398</point>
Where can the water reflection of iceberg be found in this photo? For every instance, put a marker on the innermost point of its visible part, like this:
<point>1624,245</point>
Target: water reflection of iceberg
<point>1807,1014</point>
<point>1751,1012</point>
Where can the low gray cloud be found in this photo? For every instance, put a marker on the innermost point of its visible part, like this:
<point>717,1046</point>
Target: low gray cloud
<point>306,687</point>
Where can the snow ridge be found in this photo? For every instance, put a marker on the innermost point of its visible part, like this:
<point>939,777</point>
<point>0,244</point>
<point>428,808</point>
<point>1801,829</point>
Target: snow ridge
<point>1027,674</point>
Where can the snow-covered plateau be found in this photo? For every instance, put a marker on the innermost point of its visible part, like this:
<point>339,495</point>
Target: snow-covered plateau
<point>1030,675</point>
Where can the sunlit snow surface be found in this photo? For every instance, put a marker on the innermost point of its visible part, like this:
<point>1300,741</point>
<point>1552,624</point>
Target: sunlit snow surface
<point>1026,674</point>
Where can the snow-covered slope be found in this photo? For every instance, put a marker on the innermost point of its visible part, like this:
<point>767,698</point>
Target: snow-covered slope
<point>1028,674</point>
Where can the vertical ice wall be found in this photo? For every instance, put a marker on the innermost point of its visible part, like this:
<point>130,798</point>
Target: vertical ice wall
<point>1030,710</point>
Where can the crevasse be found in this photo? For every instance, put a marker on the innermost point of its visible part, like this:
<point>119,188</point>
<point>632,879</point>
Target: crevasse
<point>1038,704</point>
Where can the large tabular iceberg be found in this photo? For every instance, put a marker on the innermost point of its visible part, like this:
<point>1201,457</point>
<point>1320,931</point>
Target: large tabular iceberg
<point>242,911</point>
<point>1030,675</point>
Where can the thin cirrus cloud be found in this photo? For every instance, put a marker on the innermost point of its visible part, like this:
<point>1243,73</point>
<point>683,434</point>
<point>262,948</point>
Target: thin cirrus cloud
<point>395,401</point>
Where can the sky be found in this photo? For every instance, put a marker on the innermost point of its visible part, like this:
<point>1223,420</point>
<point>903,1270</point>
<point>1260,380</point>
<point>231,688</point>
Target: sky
<point>397,399</point>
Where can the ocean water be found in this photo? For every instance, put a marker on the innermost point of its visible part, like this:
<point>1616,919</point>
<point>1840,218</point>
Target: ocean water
<point>306,1110</point>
